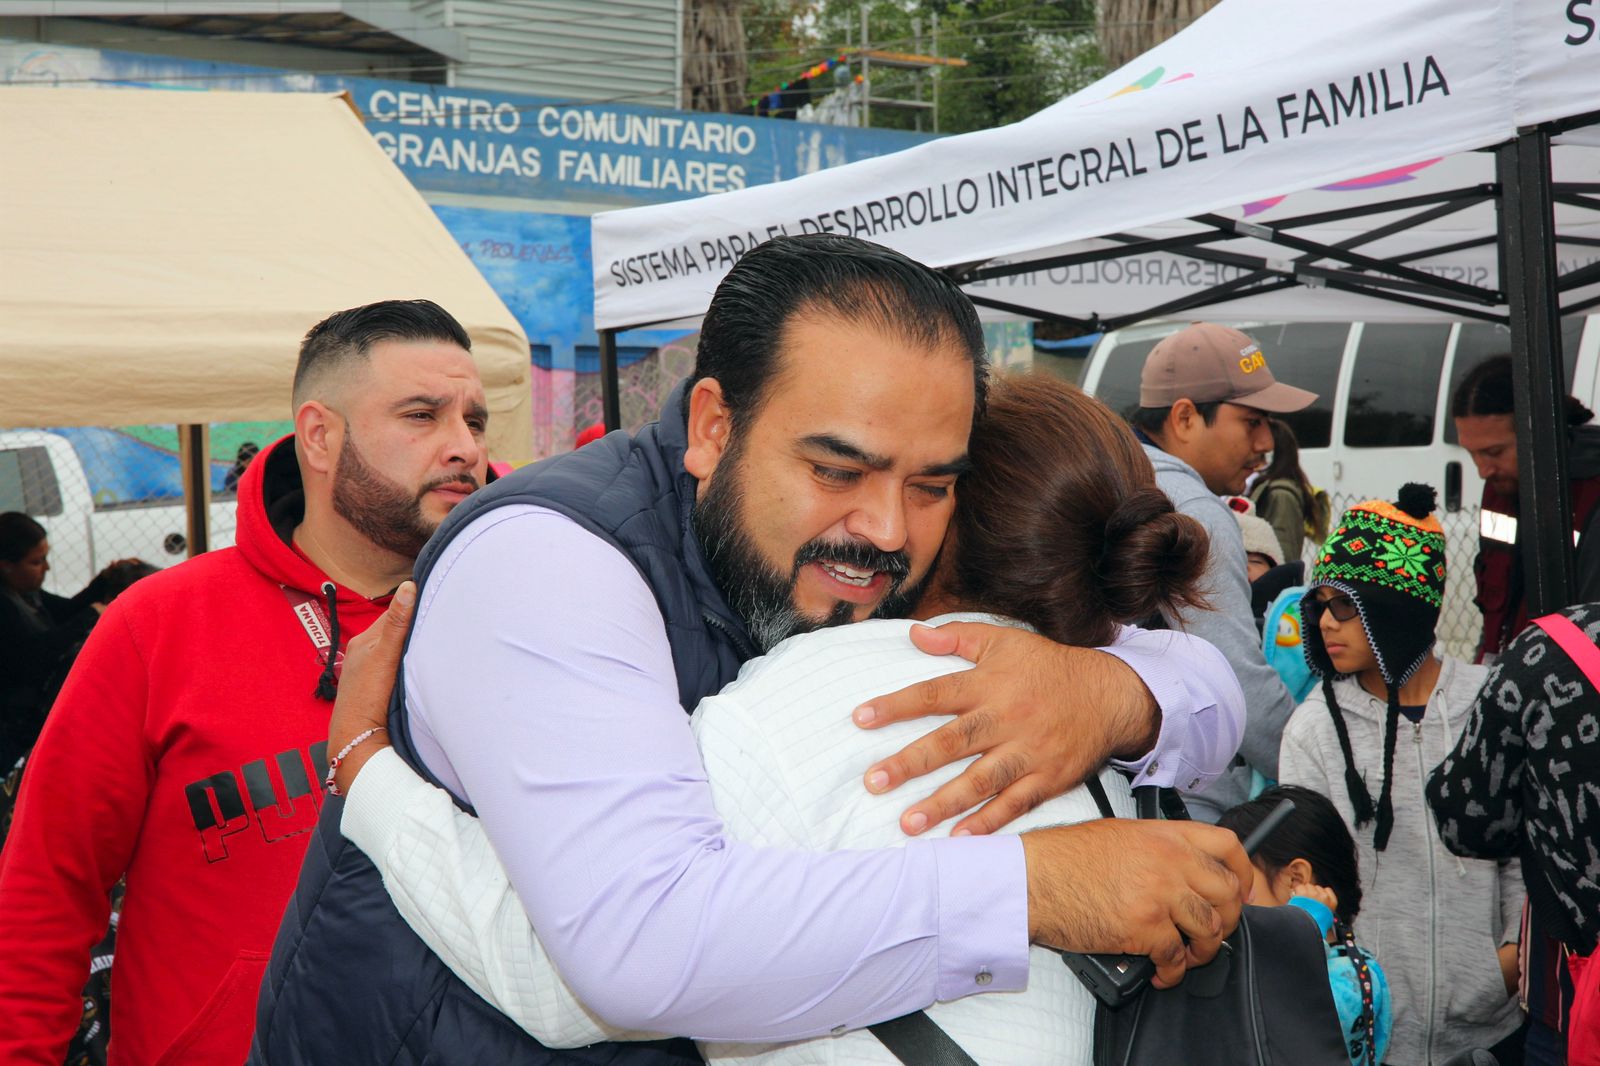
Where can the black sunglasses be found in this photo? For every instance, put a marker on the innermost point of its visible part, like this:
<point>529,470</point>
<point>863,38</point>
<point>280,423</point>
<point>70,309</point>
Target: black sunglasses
<point>1343,608</point>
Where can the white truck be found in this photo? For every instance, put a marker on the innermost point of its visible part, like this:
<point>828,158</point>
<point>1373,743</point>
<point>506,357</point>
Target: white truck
<point>42,474</point>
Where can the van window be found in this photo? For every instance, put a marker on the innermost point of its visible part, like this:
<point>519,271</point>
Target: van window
<point>1306,355</point>
<point>28,482</point>
<point>1119,384</point>
<point>1118,388</point>
<point>1394,390</point>
<point>1483,340</point>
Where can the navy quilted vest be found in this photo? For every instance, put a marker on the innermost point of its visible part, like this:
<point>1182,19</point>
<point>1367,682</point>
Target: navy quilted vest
<point>349,981</point>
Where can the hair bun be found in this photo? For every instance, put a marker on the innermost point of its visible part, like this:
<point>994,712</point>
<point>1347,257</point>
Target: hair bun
<point>1133,511</point>
<point>1151,559</point>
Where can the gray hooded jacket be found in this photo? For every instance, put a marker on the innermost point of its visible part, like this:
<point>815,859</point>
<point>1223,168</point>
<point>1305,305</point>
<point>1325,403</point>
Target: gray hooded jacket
<point>1231,626</point>
<point>1433,921</point>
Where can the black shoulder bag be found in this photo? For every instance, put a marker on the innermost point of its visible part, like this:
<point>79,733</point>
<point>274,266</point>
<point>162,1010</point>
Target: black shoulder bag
<point>1264,1000</point>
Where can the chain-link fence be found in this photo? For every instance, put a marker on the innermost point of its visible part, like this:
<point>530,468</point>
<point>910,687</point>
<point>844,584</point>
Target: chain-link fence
<point>105,495</point>
<point>643,385</point>
<point>1460,621</point>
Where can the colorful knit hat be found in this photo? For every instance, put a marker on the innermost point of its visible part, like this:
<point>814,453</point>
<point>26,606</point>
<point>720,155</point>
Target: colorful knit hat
<point>1390,560</point>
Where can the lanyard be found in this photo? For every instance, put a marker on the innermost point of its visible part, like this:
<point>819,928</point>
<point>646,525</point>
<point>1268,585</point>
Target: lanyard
<point>313,618</point>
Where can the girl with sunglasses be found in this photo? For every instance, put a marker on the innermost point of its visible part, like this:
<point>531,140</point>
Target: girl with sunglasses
<point>1385,714</point>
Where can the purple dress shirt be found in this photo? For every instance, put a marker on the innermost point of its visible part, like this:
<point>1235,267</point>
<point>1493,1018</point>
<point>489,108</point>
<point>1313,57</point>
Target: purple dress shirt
<point>541,690</point>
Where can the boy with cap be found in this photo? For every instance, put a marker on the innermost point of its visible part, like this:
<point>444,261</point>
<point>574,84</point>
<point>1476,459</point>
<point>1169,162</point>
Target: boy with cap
<point>1204,397</point>
<point>1444,929</point>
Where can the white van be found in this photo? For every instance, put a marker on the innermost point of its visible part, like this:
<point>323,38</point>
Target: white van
<point>1382,417</point>
<point>42,475</point>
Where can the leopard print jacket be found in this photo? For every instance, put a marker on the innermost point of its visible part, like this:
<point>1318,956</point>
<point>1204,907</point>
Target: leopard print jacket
<point>1524,779</point>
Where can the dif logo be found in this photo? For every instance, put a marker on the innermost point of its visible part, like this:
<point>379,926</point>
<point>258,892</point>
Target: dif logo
<point>1582,15</point>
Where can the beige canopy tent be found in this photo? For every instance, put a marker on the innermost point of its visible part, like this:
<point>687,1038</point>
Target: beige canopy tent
<point>162,253</point>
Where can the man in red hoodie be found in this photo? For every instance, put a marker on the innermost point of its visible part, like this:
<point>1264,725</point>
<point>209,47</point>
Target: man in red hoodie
<point>187,748</point>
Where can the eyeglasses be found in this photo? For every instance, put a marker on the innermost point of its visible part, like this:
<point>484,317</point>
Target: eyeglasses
<point>1343,608</point>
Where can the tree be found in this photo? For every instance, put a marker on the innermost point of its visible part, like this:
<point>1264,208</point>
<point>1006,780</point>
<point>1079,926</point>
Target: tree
<point>781,40</point>
<point>715,67</point>
<point>1129,28</point>
<point>1022,55</point>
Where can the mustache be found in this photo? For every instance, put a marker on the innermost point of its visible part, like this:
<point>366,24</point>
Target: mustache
<point>855,555</point>
<point>449,479</point>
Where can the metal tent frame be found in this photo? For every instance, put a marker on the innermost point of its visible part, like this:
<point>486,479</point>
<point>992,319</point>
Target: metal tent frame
<point>1524,195</point>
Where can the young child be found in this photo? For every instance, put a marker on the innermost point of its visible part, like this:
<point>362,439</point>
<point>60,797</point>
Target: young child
<point>1310,862</point>
<point>1261,550</point>
<point>1443,928</point>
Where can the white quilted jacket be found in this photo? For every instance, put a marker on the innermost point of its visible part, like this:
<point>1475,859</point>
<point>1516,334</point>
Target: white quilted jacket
<point>785,764</point>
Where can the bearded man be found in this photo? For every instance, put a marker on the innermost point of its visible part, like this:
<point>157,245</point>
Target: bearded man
<point>187,748</point>
<point>569,616</point>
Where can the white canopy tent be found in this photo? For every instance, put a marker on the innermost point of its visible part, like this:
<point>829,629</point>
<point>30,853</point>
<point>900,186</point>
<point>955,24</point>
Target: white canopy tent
<point>162,253</point>
<point>1325,161</point>
<point>1436,218</point>
<point>1257,99</point>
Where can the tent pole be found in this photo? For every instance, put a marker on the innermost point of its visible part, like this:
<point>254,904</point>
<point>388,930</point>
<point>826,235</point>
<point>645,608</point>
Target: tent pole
<point>1527,235</point>
<point>194,456</point>
<point>610,387</point>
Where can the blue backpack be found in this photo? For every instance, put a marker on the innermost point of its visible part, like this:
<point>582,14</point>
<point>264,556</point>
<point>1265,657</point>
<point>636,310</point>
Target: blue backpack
<point>1280,643</point>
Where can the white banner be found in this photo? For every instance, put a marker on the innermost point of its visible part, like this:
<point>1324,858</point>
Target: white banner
<point>1558,59</point>
<point>1136,283</point>
<point>1256,99</point>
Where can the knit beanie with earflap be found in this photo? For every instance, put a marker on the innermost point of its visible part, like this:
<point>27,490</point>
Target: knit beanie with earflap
<point>1389,558</point>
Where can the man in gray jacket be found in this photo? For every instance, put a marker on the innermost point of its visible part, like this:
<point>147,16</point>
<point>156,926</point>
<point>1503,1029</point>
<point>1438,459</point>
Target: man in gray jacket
<point>1204,398</point>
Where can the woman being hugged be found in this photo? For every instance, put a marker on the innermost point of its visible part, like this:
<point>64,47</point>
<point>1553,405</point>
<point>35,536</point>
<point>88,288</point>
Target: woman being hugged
<point>1059,528</point>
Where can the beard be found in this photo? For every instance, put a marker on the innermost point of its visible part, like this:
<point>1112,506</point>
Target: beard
<point>381,510</point>
<point>1505,486</point>
<point>758,591</point>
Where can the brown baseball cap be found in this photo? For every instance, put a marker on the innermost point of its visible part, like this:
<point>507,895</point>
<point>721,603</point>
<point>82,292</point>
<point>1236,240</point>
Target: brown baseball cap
<point>1205,362</point>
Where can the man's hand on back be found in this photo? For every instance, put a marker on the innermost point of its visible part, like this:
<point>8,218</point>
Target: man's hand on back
<point>366,681</point>
<point>1169,890</point>
<point>1043,717</point>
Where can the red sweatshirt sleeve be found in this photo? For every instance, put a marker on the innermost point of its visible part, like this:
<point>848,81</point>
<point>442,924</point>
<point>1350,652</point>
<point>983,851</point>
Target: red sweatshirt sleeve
<point>83,799</point>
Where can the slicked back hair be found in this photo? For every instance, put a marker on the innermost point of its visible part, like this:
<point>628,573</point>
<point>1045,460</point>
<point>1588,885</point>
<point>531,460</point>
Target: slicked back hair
<point>345,338</point>
<point>830,276</point>
<point>1487,390</point>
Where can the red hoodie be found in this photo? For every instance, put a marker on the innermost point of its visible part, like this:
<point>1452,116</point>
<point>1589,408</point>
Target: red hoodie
<point>186,750</point>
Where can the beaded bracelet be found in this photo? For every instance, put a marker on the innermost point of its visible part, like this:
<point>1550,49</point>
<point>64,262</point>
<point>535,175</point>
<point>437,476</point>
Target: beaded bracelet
<point>338,760</point>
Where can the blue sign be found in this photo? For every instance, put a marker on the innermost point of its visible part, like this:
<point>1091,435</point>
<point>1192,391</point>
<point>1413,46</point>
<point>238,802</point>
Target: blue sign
<point>485,143</point>
<point>548,153</point>
<point>539,265</point>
